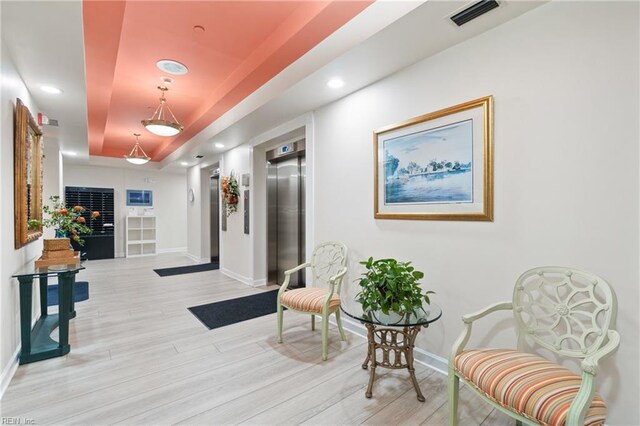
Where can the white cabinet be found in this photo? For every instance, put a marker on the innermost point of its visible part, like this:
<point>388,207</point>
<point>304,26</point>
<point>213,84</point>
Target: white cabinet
<point>141,236</point>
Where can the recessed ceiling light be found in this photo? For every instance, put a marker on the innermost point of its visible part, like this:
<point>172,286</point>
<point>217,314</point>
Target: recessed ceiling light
<point>335,83</point>
<point>70,153</point>
<point>184,163</point>
<point>51,89</point>
<point>218,145</point>
<point>172,67</point>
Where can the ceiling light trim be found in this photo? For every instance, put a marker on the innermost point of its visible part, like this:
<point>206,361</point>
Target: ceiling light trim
<point>172,67</point>
<point>335,83</point>
<point>47,88</point>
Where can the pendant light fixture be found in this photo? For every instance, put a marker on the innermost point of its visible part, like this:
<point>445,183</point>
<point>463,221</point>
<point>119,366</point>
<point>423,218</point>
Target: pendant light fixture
<point>158,124</point>
<point>137,155</point>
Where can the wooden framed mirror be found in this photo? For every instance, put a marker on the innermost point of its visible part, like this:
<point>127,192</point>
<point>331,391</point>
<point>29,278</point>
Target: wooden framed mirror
<point>27,176</point>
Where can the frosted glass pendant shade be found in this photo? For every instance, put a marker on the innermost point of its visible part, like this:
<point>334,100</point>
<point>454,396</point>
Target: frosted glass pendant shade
<point>137,155</point>
<point>158,124</point>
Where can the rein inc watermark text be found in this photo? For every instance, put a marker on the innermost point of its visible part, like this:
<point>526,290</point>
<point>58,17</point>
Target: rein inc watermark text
<point>17,421</point>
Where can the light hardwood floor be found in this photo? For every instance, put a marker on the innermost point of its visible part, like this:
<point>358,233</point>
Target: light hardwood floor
<point>138,356</point>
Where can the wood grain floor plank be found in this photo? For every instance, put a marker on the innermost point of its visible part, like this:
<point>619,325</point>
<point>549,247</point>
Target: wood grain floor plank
<point>410,411</point>
<point>263,398</point>
<point>138,356</point>
<point>356,408</point>
<point>471,410</point>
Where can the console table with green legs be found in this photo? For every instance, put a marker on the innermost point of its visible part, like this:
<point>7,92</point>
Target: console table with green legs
<point>36,342</point>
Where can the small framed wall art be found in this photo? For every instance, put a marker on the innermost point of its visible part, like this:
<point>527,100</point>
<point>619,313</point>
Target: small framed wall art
<point>139,198</point>
<point>438,166</point>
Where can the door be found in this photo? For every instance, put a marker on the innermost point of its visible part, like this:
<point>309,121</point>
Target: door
<point>285,218</point>
<point>214,212</point>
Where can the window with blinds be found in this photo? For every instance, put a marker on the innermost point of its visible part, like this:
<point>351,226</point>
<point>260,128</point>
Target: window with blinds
<point>93,199</point>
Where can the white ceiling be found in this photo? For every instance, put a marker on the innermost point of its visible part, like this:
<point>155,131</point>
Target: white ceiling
<point>46,43</point>
<point>385,38</point>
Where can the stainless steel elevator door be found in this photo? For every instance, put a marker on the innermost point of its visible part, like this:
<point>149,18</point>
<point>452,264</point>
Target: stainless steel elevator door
<point>215,218</point>
<point>285,216</point>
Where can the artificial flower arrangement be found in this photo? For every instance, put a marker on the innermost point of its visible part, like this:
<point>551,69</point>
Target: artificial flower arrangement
<point>230,193</point>
<point>68,222</point>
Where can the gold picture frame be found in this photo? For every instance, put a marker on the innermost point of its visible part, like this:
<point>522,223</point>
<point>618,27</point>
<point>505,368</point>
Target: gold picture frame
<point>438,166</point>
<point>27,177</point>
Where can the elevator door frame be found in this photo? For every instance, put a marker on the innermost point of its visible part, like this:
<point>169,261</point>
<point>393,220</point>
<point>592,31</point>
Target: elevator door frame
<point>275,270</point>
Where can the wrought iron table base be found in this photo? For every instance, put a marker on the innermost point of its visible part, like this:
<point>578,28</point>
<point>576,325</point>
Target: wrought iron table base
<point>394,344</point>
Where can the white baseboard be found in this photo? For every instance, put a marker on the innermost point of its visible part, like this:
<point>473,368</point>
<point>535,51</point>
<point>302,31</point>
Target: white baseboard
<point>9,371</point>
<point>244,280</point>
<point>197,259</point>
<point>435,362</point>
<point>172,250</point>
<point>259,283</point>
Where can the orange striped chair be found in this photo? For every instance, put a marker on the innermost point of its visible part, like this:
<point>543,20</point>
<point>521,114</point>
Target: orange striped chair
<point>566,311</point>
<point>323,296</point>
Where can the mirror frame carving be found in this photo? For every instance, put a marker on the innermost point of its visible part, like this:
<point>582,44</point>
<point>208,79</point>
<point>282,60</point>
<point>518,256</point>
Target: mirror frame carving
<point>23,126</point>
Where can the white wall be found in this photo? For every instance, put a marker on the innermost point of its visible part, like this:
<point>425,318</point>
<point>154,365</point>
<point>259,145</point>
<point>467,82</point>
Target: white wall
<point>565,83</point>
<point>195,214</point>
<point>11,260</point>
<point>236,248</point>
<point>169,200</point>
<point>53,165</point>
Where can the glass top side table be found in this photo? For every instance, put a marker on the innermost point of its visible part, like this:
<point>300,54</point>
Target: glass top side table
<point>36,343</point>
<point>393,336</point>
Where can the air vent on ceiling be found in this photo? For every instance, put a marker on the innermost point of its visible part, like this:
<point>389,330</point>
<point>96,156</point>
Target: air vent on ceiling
<point>473,11</point>
<point>53,122</point>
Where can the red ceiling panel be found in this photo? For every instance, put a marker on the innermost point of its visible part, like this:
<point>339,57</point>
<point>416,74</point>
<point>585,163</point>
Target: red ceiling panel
<point>244,44</point>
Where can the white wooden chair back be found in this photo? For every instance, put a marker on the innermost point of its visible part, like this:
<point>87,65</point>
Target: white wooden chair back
<point>564,310</point>
<point>328,260</point>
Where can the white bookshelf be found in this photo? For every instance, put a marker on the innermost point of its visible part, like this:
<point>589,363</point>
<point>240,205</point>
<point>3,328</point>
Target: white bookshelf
<point>141,236</point>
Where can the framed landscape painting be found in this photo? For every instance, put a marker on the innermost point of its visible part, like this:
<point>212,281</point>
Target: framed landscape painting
<point>438,166</point>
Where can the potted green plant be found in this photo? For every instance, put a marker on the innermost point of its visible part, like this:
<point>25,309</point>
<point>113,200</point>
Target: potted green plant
<point>391,286</point>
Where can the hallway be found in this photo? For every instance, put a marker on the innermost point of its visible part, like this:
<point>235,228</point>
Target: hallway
<point>138,356</point>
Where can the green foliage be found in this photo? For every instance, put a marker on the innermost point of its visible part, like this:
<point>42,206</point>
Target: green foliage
<point>389,285</point>
<point>70,221</point>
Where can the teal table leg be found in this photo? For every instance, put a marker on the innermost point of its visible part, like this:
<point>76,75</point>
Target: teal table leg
<point>72,306</point>
<point>26,293</point>
<point>44,295</point>
<point>65,282</point>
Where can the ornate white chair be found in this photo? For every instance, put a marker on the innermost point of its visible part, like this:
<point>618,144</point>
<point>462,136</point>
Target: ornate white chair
<point>322,297</point>
<point>563,310</point>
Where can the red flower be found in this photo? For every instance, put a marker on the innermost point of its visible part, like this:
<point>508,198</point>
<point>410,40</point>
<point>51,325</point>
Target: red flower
<point>81,219</point>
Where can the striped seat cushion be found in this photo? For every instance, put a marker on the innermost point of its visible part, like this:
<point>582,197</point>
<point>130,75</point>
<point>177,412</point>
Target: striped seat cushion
<point>309,300</point>
<point>527,384</point>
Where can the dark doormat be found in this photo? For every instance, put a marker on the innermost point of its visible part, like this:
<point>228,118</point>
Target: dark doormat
<point>219,314</point>
<point>165,272</point>
<point>81,293</point>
